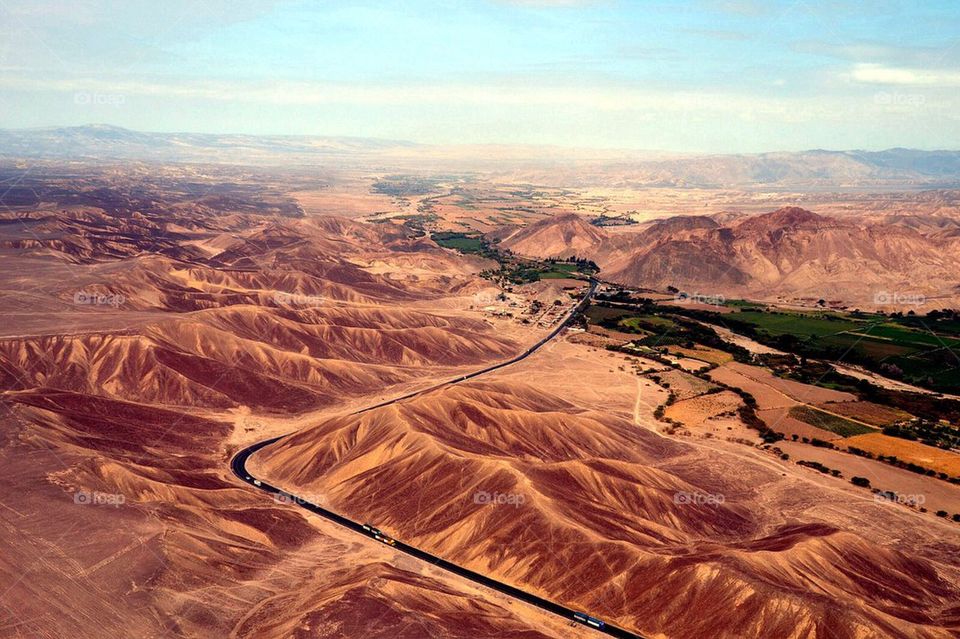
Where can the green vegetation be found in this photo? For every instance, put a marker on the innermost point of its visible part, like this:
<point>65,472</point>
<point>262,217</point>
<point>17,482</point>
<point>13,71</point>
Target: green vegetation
<point>820,467</point>
<point>744,304</point>
<point>463,242</point>
<point>833,423</point>
<point>900,347</point>
<point>404,185</point>
<point>929,408</point>
<point>658,328</point>
<point>513,269</point>
<point>649,323</point>
<point>799,324</point>
<point>603,220</point>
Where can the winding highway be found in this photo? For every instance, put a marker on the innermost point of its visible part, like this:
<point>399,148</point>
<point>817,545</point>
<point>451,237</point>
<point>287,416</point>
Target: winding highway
<point>238,466</point>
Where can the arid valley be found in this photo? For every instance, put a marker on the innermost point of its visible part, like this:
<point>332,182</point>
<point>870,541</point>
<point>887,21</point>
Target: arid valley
<point>664,446</point>
<point>486,319</point>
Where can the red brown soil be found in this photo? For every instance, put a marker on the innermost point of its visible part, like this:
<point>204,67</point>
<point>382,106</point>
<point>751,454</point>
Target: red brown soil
<point>599,527</point>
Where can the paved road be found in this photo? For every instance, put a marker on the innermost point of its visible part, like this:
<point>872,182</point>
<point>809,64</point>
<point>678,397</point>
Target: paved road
<point>239,461</point>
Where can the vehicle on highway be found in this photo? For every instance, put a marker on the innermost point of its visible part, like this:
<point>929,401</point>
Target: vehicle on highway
<point>256,482</point>
<point>586,619</point>
<point>390,541</point>
<point>370,528</point>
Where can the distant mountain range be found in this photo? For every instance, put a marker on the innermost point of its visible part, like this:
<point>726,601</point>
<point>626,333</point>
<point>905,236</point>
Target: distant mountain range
<point>106,142</point>
<point>815,168</point>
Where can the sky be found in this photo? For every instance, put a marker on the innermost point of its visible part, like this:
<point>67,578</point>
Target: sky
<point>716,76</point>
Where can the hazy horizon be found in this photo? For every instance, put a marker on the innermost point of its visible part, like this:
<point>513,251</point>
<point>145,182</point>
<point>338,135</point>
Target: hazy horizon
<point>613,150</point>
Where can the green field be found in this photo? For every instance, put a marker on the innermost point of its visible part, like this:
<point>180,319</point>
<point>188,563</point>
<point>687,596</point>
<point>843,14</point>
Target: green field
<point>648,322</point>
<point>744,304</point>
<point>839,425</point>
<point>459,241</point>
<point>559,270</point>
<point>920,338</point>
<point>799,324</point>
<point>597,314</point>
<point>862,344</point>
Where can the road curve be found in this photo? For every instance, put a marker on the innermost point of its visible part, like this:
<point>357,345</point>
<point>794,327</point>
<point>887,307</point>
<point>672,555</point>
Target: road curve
<point>239,461</point>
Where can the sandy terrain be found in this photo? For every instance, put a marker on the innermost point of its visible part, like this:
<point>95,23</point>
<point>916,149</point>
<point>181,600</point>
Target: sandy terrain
<point>120,517</point>
<point>684,385</point>
<point>714,413</point>
<point>255,309</point>
<point>342,200</point>
<point>593,470</point>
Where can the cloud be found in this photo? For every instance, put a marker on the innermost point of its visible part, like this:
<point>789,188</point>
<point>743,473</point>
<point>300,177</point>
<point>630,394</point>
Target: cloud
<point>518,96</point>
<point>904,76</point>
<point>874,52</point>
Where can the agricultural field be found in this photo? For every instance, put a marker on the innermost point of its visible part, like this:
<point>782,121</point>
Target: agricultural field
<point>766,396</point>
<point>779,421</point>
<point>798,391</point>
<point>463,242</point>
<point>914,337</point>
<point>825,421</point>
<point>511,268</point>
<point>604,315</point>
<point>560,270</point>
<point>937,459</point>
<point>869,412</point>
<point>917,350</point>
<point>648,323</point>
<point>704,353</point>
<point>799,324</point>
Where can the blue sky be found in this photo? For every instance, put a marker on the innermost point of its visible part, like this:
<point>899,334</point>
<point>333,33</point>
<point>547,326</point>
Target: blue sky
<point>712,76</point>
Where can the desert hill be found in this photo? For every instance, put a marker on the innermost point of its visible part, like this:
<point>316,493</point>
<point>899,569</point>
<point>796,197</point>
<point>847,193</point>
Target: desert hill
<point>143,340</point>
<point>789,252</point>
<point>560,236</point>
<point>598,526</point>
